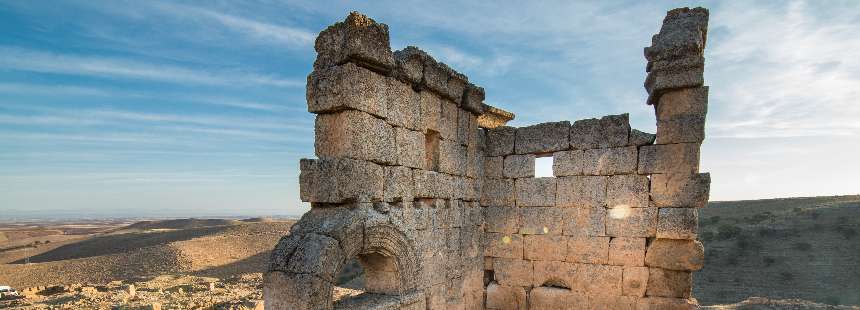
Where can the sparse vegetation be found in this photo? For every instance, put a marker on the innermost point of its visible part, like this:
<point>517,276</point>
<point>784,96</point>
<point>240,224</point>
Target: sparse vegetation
<point>726,231</point>
<point>802,246</point>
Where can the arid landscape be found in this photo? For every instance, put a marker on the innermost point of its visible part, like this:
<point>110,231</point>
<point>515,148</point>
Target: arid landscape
<point>780,249</point>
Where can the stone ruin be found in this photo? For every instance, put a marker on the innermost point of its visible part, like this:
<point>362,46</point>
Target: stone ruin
<point>420,181</point>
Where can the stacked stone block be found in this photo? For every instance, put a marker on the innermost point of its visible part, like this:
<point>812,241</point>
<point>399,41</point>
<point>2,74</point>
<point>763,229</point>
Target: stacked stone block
<point>443,214</point>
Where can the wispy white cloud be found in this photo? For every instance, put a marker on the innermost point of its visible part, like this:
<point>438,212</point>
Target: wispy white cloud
<point>47,62</point>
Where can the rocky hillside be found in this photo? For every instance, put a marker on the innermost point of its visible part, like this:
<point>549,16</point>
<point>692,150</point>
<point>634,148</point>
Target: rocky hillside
<point>806,248</point>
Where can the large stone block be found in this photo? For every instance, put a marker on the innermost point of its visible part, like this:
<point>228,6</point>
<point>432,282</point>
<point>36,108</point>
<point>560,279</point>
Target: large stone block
<point>431,184</point>
<point>681,115</point>
<point>659,81</point>
<point>554,298</point>
<point>543,138</point>
<point>315,255</point>
<point>627,251</point>
<point>614,131</point>
<point>473,99</point>
<point>333,180</point>
<point>545,247</point>
<point>284,290</point>
<point>627,191</point>
<point>410,64</point>
<point>497,193</point>
<point>452,158</point>
<point>685,255</point>
<point>469,192</point>
<point>502,297</point>
<point>540,221</point>
<point>519,166</point>
<point>403,104</point>
<point>588,250</point>
<point>669,283</point>
<point>567,163</point>
<point>494,167</point>
<point>398,184</point>
<point>619,160</point>
<point>503,245</point>
<point>347,87</point>
<point>535,192</point>
<point>684,32</point>
<point>680,189</point>
<point>448,121</point>
<point>678,223</point>
<point>601,280</point>
<point>431,111</point>
<point>634,281</point>
<point>631,222</point>
<point>474,161</point>
<point>585,134</point>
<point>410,150</point>
<point>553,273</point>
<point>581,222</point>
<point>467,126</point>
<point>513,272</point>
<point>501,219</point>
<point>354,134</point>
<point>357,39</point>
<point>640,138</point>
<point>581,191</point>
<point>500,141</point>
<point>669,158</point>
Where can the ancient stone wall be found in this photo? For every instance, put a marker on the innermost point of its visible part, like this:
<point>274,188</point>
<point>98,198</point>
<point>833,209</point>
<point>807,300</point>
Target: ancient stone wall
<point>420,181</point>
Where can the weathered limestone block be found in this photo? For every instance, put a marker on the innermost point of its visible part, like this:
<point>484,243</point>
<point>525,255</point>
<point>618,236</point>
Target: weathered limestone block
<point>664,303</point>
<point>403,104</point>
<point>409,148</point>
<point>467,127</point>
<point>540,221</point>
<point>448,121</point>
<point>501,297</point>
<point>359,39</point>
<point>553,298</point>
<point>455,214</point>
<point>474,161</point>
<point>567,163</point>
<point>431,111</point>
<point>347,87</point>
<point>553,273</point>
<point>315,255</point>
<point>410,64</point>
<point>493,167</point>
<point>473,99</point>
<point>627,191</point>
<point>678,223</point>
<point>398,184</point>
<point>614,131</point>
<point>680,189</point>
<point>501,219</point>
<point>543,138</point>
<point>535,192</point>
<point>436,296</point>
<point>503,245</point>
<point>634,281</point>
<point>500,141</point>
<point>631,222</point>
<point>343,222</point>
<point>611,161</point>
<point>469,192</point>
<point>669,158</point>
<point>675,255</point>
<point>627,251</point>
<point>458,187</point>
<point>354,134</point>
<point>659,81</point>
<point>545,247</point>
<point>581,222</point>
<point>585,134</point>
<point>669,283</point>
<point>681,115</point>
<point>581,191</point>
<point>513,272</point>
<point>431,184</point>
<point>332,180</point>
<point>602,280</point>
<point>295,291</point>
<point>640,138</point>
<point>452,158</point>
<point>519,166</point>
<point>589,250</point>
<point>436,76</point>
<point>498,193</point>
<point>422,210</point>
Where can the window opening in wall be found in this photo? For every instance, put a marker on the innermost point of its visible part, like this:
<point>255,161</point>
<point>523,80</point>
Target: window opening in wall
<point>431,148</point>
<point>543,167</point>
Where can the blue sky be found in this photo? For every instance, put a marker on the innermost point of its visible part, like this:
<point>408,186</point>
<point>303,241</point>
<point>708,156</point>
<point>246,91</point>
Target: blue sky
<point>173,108</point>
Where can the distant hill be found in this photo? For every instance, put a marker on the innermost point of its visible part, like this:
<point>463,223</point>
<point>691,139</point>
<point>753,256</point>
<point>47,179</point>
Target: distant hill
<point>181,224</point>
<point>806,248</point>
